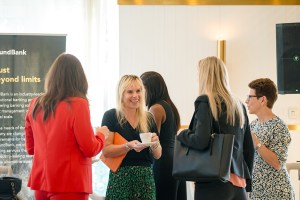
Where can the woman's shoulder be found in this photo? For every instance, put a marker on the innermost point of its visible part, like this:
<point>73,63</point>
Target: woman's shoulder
<point>110,113</point>
<point>280,123</point>
<point>157,107</point>
<point>76,101</point>
<point>34,99</point>
<point>202,98</point>
<point>254,122</point>
<point>278,120</point>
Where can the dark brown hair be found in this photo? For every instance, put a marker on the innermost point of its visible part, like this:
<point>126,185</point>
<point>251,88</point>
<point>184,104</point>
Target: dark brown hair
<point>156,90</point>
<point>64,79</point>
<point>265,87</point>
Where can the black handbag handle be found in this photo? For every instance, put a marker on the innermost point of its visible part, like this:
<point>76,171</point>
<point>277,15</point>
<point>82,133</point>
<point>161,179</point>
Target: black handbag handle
<point>212,136</point>
<point>13,190</point>
<point>212,120</point>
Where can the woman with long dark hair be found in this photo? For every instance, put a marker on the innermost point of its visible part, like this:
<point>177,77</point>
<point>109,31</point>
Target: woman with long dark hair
<point>167,121</point>
<point>59,134</point>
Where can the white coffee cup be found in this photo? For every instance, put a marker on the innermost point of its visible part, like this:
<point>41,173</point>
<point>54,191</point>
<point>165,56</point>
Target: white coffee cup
<point>146,137</point>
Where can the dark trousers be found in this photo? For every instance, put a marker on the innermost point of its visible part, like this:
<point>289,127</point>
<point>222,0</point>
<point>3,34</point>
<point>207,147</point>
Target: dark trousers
<point>181,191</point>
<point>218,190</point>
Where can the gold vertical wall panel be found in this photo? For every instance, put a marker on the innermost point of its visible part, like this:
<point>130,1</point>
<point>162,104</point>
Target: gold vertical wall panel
<point>208,2</point>
<point>222,50</point>
<point>294,127</point>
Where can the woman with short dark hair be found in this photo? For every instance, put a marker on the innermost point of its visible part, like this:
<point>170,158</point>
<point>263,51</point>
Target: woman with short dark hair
<point>271,139</point>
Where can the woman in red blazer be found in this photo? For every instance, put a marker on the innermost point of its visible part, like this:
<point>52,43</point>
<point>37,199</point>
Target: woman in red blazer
<point>59,135</point>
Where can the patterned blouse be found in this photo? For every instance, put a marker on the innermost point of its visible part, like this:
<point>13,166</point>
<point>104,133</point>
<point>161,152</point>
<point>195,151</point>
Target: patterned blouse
<point>269,183</point>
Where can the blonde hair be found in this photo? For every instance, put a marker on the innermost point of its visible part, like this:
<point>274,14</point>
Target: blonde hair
<point>214,82</point>
<point>143,116</point>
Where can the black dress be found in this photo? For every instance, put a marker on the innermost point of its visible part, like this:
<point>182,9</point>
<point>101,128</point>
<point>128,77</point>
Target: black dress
<point>167,188</point>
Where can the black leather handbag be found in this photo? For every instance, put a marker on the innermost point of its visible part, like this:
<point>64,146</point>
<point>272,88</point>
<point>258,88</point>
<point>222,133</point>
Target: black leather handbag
<point>210,164</point>
<point>10,187</point>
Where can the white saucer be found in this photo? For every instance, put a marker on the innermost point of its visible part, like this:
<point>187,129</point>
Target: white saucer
<point>149,144</point>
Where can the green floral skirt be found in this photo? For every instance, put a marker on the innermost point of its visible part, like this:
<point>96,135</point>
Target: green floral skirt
<point>131,183</point>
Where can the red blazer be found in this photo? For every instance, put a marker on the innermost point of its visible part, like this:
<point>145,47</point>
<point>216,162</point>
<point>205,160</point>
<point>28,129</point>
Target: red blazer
<point>62,148</point>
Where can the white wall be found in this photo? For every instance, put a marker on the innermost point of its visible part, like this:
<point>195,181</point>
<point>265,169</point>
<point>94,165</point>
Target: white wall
<point>171,40</point>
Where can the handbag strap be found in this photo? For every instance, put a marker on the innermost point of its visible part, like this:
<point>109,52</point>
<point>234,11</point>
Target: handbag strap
<point>211,122</point>
<point>212,136</point>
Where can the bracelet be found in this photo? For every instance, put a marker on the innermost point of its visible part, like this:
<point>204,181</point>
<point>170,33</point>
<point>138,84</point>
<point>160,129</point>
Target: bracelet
<point>152,149</point>
<point>127,147</point>
<point>257,146</point>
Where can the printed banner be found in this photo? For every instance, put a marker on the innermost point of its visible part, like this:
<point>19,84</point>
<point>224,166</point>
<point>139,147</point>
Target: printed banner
<point>24,62</point>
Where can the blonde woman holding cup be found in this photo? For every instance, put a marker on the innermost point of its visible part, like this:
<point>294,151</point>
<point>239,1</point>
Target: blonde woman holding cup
<point>134,179</point>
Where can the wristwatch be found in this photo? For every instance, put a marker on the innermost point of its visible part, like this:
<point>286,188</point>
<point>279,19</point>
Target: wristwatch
<point>257,146</point>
